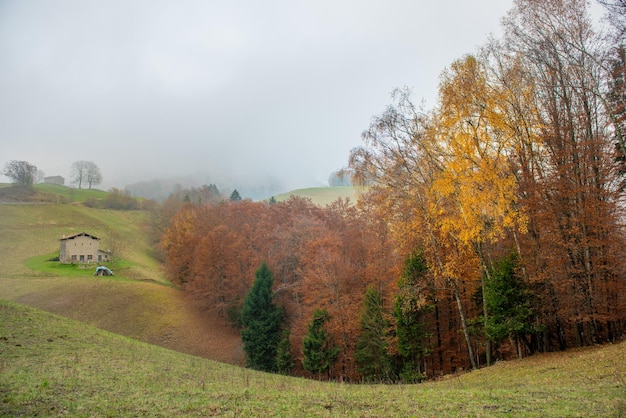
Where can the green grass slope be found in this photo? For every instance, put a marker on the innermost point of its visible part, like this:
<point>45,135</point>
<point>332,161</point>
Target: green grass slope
<point>47,193</point>
<point>54,366</point>
<point>322,195</point>
<point>137,302</point>
<point>70,194</point>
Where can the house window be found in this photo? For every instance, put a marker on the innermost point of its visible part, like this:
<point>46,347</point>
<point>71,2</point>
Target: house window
<point>73,257</point>
<point>82,258</point>
<point>89,257</point>
<point>99,257</point>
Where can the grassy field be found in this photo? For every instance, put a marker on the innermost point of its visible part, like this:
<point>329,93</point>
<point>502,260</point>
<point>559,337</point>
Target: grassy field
<point>51,365</point>
<point>137,302</point>
<point>49,193</point>
<point>70,194</point>
<point>322,195</point>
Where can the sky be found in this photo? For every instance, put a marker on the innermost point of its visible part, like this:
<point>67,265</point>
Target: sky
<point>233,92</point>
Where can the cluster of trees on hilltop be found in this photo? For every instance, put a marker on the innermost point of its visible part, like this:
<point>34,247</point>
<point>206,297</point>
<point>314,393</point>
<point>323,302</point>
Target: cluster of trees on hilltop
<point>25,174</point>
<point>492,228</point>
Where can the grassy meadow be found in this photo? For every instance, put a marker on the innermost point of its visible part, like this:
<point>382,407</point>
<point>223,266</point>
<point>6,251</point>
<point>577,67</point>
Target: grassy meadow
<point>133,345</point>
<point>52,366</point>
<point>49,193</point>
<point>137,302</point>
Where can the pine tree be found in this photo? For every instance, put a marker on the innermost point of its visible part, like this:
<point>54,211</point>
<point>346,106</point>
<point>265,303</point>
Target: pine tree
<point>410,306</point>
<point>319,350</point>
<point>509,301</point>
<point>284,359</point>
<point>235,196</point>
<point>371,347</point>
<point>261,320</point>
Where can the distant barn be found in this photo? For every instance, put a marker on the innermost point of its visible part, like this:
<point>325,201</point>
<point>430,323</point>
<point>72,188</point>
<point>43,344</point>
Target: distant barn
<point>58,180</point>
<point>81,248</point>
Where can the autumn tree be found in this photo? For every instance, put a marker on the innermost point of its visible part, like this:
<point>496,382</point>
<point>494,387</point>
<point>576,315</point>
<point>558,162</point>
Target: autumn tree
<point>574,243</point>
<point>22,173</point>
<point>120,200</point>
<point>261,320</point>
<point>401,160</point>
<point>318,347</point>
<point>617,101</point>
<point>475,178</point>
<point>371,347</point>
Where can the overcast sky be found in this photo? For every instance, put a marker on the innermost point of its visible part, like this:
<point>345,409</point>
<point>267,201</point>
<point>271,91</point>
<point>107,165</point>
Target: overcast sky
<point>237,91</point>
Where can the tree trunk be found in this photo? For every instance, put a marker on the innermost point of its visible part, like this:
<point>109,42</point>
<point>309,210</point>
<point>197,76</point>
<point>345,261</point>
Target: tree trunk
<point>459,305</point>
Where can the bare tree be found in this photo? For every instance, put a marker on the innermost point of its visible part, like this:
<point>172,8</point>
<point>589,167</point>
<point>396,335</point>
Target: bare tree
<point>21,172</point>
<point>116,247</point>
<point>85,172</point>
<point>616,15</point>
<point>94,176</point>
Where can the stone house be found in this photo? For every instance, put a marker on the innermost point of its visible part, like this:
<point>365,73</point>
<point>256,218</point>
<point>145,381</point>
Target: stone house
<point>58,180</point>
<point>81,248</point>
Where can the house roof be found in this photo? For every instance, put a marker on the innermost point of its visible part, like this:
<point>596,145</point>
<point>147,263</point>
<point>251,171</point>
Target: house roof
<point>78,235</point>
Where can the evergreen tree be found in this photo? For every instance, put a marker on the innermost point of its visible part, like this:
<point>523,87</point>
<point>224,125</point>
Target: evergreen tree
<point>410,306</point>
<point>261,320</point>
<point>320,352</point>
<point>235,196</point>
<point>510,304</point>
<point>371,348</point>
<point>284,359</point>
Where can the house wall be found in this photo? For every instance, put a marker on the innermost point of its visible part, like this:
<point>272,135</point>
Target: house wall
<point>79,249</point>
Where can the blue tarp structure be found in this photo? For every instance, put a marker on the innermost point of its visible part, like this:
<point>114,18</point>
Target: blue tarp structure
<point>103,271</point>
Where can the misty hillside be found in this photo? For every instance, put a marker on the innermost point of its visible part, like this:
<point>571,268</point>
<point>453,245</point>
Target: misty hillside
<point>323,195</point>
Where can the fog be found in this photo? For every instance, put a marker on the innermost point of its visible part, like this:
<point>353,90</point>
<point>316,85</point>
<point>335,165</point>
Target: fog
<point>236,93</point>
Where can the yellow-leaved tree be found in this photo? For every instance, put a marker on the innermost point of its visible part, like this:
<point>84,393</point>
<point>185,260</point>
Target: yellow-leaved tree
<point>476,181</point>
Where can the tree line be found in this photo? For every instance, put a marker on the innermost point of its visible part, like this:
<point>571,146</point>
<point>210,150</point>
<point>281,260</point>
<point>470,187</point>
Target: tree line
<point>492,225</point>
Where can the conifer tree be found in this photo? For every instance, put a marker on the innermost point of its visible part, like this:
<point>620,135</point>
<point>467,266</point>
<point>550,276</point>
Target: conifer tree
<point>320,352</point>
<point>284,359</point>
<point>235,196</point>
<point>410,306</point>
<point>509,301</point>
<point>371,348</point>
<point>261,320</point>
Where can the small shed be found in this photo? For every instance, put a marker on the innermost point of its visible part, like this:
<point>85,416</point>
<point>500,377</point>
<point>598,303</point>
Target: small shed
<point>81,248</point>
